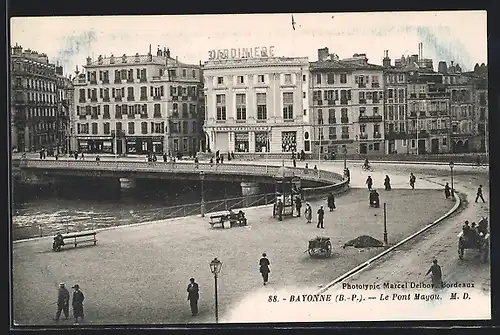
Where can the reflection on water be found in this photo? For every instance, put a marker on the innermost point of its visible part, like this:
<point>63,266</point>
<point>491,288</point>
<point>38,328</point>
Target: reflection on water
<point>75,204</point>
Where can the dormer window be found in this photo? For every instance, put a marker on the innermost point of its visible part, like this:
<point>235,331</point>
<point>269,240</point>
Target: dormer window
<point>112,59</point>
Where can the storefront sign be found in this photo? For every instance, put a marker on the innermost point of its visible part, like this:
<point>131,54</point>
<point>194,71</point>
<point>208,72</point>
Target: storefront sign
<point>241,53</point>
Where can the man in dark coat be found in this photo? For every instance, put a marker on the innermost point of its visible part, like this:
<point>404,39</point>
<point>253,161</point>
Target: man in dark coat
<point>412,180</point>
<point>369,183</point>
<point>264,268</point>
<point>321,216</point>
<point>77,303</point>
<point>298,205</point>
<point>480,193</point>
<point>279,208</point>
<point>447,191</point>
<point>347,174</point>
<point>436,274</point>
<point>331,201</point>
<point>62,302</point>
<point>294,162</point>
<point>387,183</point>
<point>193,296</point>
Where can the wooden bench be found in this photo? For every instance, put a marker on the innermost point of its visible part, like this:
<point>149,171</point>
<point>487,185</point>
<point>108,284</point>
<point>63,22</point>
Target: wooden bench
<point>234,219</point>
<point>218,219</point>
<point>83,237</point>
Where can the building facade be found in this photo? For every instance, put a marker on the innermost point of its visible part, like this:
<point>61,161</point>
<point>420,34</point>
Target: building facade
<point>256,105</point>
<point>33,101</point>
<point>428,115</point>
<point>64,98</point>
<point>139,104</point>
<point>346,105</point>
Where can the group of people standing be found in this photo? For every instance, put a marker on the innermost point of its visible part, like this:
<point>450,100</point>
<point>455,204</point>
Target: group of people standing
<point>63,302</point>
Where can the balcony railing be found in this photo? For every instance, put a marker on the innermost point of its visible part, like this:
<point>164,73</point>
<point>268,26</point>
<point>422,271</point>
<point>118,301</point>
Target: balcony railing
<point>375,85</point>
<point>118,99</point>
<point>363,136</point>
<point>144,115</point>
<point>143,79</point>
<point>344,102</point>
<point>105,81</point>
<point>377,135</point>
<point>106,116</point>
<point>82,100</point>
<point>376,101</point>
<point>362,101</point>
<point>331,102</point>
<point>345,136</point>
<point>157,97</point>
<point>344,120</point>
<point>118,81</point>
<point>93,81</point>
<point>105,99</point>
<point>130,80</point>
<point>143,98</point>
<point>82,116</point>
<point>332,136</point>
<point>332,120</point>
<point>130,98</point>
<point>371,118</point>
<point>318,102</point>
<point>362,85</point>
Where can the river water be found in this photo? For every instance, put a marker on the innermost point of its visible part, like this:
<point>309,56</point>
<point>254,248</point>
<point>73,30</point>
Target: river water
<point>76,204</point>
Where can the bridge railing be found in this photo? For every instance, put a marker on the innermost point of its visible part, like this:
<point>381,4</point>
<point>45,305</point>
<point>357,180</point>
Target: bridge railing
<point>95,221</point>
<point>181,167</point>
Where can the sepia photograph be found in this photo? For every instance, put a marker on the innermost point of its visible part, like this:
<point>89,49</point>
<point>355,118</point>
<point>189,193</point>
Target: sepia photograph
<point>249,168</point>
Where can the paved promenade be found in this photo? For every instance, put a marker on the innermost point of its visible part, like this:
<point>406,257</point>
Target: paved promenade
<point>139,274</point>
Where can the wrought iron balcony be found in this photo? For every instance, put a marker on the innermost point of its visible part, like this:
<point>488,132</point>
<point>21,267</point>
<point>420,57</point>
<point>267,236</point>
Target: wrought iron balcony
<point>345,136</point>
<point>344,120</point>
<point>370,118</point>
<point>377,135</point>
<point>363,136</point>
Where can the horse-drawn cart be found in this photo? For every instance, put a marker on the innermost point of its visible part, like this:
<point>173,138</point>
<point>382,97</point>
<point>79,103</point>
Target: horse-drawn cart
<point>320,247</point>
<point>477,240</point>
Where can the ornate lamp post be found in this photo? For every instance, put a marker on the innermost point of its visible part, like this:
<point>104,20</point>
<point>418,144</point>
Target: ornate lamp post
<point>215,267</point>
<point>452,189</point>
<point>202,177</point>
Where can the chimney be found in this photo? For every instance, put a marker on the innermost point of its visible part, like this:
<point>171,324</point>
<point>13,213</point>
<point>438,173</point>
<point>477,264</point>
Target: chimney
<point>158,51</point>
<point>99,59</point>
<point>442,68</point>
<point>176,61</point>
<point>386,62</point>
<point>149,52</point>
<point>137,59</point>
<point>111,59</point>
<point>168,52</point>
<point>89,60</point>
<point>17,50</point>
<point>323,54</point>
<point>164,51</point>
<point>59,70</point>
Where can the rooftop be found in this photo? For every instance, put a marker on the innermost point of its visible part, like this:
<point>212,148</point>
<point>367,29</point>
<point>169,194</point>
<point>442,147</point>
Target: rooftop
<point>135,60</point>
<point>343,65</point>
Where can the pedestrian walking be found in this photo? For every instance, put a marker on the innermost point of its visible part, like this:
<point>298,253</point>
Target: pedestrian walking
<point>480,193</point>
<point>412,180</point>
<point>82,157</point>
<point>306,167</point>
<point>315,167</point>
<point>369,183</point>
<point>193,296</point>
<point>62,302</point>
<point>41,154</point>
<point>298,205</point>
<point>97,158</point>
<point>436,274</point>
<point>293,155</point>
<point>77,303</point>
<point>387,183</point>
<point>447,191</point>
<point>164,157</point>
<point>321,216</point>
<point>76,155</point>
<point>331,201</point>
<point>308,213</point>
<point>294,163</point>
<point>264,268</point>
<point>222,158</point>
<point>347,174</point>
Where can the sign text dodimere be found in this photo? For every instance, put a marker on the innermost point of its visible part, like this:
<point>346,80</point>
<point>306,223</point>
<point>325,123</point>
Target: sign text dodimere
<point>239,53</point>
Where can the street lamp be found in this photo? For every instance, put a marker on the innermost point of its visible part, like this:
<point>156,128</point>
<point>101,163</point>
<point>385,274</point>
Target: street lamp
<point>345,158</point>
<point>215,267</point>
<point>202,177</point>
<point>452,189</point>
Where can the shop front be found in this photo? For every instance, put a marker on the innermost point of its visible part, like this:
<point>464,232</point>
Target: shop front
<point>96,145</point>
<point>144,145</point>
<point>261,142</point>
<point>241,142</point>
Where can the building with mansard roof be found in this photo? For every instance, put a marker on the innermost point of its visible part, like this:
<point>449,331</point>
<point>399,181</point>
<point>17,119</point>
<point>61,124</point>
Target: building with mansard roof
<point>33,101</point>
<point>257,105</point>
<point>139,104</point>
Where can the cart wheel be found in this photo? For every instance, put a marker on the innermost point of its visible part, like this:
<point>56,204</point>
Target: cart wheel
<point>328,248</point>
<point>311,252</point>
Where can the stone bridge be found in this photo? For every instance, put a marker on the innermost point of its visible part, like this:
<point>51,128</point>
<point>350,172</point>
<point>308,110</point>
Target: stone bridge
<point>35,171</point>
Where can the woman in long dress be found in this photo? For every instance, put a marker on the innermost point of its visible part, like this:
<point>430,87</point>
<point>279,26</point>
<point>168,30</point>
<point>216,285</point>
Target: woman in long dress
<point>308,213</point>
<point>264,268</point>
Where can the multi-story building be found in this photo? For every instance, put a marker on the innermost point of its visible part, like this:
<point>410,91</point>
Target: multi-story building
<point>479,81</point>
<point>64,98</point>
<point>349,94</point>
<point>395,104</point>
<point>460,88</point>
<point>139,104</point>
<point>33,101</point>
<point>258,104</point>
<point>429,114</point>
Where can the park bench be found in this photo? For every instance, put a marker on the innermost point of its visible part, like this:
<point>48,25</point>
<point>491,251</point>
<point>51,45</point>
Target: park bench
<point>233,219</point>
<point>77,238</point>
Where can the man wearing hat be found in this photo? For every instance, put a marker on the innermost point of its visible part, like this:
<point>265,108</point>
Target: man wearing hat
<point>62,302</point>
<point>193,296</point>
<point>77,302</point>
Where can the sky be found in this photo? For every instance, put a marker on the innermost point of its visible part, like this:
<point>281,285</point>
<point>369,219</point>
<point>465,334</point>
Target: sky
<point>459,36</point>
